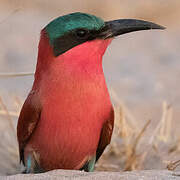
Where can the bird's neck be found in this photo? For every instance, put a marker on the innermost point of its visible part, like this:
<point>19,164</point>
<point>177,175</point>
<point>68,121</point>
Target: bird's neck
<point>81,63</point>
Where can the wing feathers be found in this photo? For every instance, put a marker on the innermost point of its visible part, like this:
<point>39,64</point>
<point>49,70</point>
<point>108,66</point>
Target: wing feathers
<point>28,119</point>
<point>106,134</point>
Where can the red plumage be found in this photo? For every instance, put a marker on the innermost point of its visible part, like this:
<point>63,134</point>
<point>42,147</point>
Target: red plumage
<point>67,117</point>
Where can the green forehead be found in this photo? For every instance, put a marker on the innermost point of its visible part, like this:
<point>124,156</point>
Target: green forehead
<point>64,24</point>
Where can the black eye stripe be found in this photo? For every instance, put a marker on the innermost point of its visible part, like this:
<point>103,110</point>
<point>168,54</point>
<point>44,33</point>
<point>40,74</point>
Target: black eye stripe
<point>66,42</point>
<point>74,38</point>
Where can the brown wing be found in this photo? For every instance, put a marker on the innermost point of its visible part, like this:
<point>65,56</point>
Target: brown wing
<point>106,134</point>
<point>28,119</point>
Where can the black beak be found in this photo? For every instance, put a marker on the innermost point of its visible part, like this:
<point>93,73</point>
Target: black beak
<point>122,26</point>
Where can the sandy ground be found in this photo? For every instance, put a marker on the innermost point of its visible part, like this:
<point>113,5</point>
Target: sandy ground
<point>73,175</point>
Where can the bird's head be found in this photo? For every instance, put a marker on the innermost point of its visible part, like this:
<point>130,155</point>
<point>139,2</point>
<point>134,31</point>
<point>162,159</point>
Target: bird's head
<point>80,37</point>
<point>71,30</point>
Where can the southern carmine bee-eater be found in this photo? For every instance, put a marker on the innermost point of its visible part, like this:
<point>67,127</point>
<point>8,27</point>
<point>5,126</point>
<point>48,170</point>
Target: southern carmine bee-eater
<point>67,119</point>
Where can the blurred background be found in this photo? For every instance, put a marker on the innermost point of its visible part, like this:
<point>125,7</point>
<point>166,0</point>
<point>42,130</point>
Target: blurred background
<point>142,70</point>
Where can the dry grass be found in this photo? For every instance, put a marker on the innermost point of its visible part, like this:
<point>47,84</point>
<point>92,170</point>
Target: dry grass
<point>130,149</point>
<point>8,144</point>
<point>173,165</point>
<point>3,75</point>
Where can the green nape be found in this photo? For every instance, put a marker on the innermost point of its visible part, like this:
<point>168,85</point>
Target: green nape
<point>67,23</point>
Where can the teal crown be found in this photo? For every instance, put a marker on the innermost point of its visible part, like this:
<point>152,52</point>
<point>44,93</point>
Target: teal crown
<point>67,23</point>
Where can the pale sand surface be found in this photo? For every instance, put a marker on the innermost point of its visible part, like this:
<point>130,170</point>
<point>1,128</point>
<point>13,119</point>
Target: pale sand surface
<point>73,175</point>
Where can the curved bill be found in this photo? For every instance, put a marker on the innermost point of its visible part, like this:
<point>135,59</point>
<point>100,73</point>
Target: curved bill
<point>122,26</point>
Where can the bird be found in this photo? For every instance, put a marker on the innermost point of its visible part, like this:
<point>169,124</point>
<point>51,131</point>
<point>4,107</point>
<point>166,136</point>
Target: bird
<point>67,119</point>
